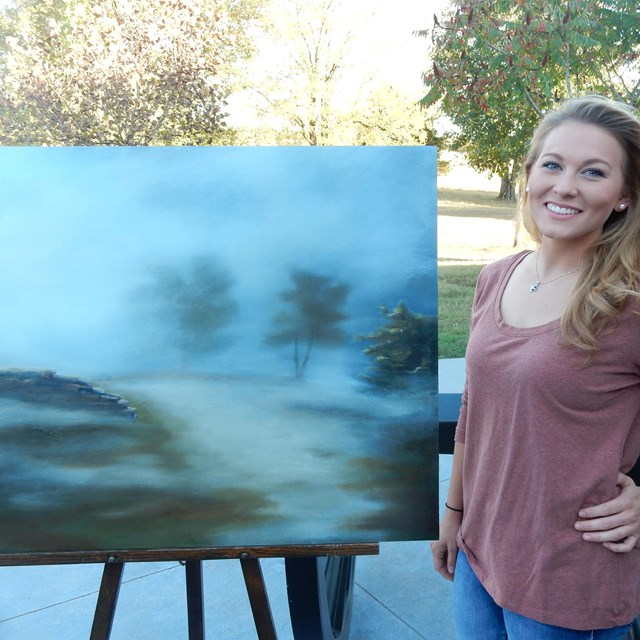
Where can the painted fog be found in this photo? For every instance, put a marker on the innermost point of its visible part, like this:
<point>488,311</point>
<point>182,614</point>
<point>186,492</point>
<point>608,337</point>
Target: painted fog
<point>204,347</point>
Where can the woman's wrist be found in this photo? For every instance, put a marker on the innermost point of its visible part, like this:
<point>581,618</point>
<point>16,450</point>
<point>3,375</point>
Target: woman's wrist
<point>453,508</point>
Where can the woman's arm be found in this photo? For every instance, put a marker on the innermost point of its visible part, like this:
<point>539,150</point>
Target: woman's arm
<point>616,523</point>
<point>445,549</point>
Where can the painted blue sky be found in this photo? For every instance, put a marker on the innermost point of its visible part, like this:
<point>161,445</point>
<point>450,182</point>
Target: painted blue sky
<point>82,228</point>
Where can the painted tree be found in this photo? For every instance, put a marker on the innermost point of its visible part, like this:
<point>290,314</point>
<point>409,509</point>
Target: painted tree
<point>119,72</point>
<point>404,350</point>
<point>312,314</point>
<point>191,304</point>
<point>497,65</point>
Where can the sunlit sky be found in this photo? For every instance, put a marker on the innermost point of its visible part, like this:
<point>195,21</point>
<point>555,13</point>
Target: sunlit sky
<point>402,56</point>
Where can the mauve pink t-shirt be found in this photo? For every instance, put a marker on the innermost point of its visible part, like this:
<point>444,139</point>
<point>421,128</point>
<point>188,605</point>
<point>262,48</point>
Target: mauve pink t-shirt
<point>544,437</point>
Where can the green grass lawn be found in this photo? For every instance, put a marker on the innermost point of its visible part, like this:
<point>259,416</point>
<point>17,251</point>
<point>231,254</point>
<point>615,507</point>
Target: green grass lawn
<point>474,228</point>
<point>456,284</point>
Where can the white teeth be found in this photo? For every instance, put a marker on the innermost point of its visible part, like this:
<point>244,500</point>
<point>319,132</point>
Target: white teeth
<point>563,211</point>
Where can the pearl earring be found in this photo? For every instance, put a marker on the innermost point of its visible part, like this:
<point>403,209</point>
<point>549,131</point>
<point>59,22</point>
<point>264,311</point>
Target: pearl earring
<point>622,207</point>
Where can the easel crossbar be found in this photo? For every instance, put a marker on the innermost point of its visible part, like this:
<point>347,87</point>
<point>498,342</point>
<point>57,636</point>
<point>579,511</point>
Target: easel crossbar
<point>186,554</point>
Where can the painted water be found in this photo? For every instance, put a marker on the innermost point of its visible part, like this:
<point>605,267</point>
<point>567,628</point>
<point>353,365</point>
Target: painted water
<point>211,460</point>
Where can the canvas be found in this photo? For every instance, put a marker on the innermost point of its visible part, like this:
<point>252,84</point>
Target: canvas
<point>209,347</point>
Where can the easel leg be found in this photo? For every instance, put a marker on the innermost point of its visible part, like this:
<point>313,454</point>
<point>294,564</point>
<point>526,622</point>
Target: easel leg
<point>195,606</point>
<point>107,601</point>
<point>258,599</point>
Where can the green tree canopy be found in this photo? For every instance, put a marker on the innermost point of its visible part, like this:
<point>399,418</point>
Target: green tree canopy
<point>498,65</point>
<point>118,72</point>
<point>403,350</point>
<point>312,314</point>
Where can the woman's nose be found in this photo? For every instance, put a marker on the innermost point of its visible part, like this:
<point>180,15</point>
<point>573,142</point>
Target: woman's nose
<point>566,185</point>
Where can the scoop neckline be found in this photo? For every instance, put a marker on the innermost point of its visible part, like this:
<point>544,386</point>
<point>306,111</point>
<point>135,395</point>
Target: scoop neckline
<point>497,314</point>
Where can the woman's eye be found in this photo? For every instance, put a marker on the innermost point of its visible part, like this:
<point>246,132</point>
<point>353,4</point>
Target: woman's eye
<point>596,173</point>
<point>551,165</point>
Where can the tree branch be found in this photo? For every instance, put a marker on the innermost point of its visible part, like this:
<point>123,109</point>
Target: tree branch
<point>532,102</point>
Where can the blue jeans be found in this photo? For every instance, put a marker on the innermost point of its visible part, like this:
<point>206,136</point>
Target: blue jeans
<point>478,617</point>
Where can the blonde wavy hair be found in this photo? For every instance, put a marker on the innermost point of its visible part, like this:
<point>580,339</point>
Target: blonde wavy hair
<point>612,272</point>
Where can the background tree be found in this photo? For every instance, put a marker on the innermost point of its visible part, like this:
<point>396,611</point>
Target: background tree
<point>307,46</point>
<point>135,72</point>
<point>191,304</point>
<point>320,80</point>
<point>497,65</point>
<point>387,117</point>
<point>119,72</point>
<point>312,316</point>
<point>404,350</point>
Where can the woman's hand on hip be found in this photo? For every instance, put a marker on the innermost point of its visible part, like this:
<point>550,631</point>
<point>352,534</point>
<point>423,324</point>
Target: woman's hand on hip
<point>445,549</point>
<point>616,523</point>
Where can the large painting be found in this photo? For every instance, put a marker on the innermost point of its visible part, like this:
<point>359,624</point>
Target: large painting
<point>210,347</point>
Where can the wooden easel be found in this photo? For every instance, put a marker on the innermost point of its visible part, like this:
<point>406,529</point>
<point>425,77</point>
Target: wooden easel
<point>254,581</point>
<point>301,555</point>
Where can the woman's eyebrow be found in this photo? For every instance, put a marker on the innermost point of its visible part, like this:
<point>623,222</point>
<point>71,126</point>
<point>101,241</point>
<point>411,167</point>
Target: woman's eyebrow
<point>557,156</point>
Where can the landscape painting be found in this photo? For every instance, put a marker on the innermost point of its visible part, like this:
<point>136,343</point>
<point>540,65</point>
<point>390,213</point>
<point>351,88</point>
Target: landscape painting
<point>207,347</point>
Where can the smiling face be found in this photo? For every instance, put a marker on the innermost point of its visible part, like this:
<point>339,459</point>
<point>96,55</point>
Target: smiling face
<point>576,183</point>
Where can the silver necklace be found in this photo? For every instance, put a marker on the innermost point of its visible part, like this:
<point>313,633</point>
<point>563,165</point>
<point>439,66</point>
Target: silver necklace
<point>534,287</point>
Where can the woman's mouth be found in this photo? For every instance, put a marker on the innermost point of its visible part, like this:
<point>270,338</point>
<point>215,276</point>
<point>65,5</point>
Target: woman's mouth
<point>561,211</point>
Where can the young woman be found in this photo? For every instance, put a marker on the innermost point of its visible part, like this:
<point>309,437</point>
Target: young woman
<point>541,525</point>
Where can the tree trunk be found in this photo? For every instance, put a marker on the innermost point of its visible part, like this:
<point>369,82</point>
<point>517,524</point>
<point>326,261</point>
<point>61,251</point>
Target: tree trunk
<point>507,188</point>
<point>305,362</point>
<point>296,359</point>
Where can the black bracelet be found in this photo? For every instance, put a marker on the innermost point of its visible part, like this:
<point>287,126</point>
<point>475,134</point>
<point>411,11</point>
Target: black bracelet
<point>452,509</point>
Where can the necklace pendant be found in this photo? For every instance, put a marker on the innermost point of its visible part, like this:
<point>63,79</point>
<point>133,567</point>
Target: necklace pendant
<point>534,287</point>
